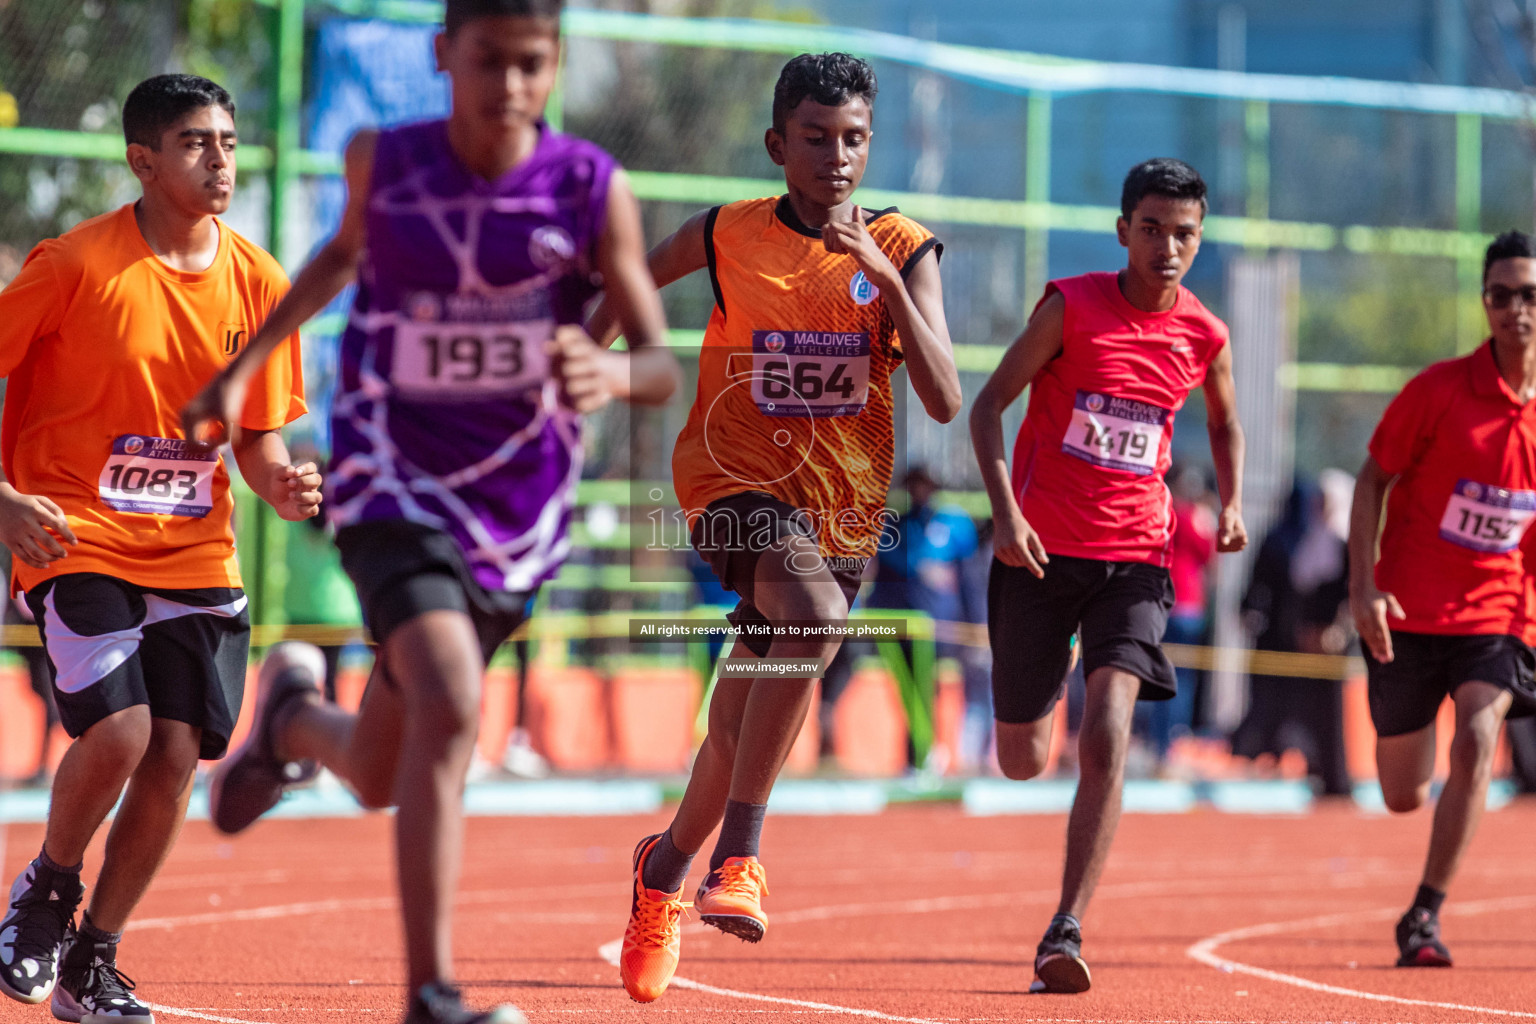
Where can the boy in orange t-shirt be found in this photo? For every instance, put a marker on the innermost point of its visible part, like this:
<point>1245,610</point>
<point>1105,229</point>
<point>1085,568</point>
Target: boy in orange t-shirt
<point>120,526</point>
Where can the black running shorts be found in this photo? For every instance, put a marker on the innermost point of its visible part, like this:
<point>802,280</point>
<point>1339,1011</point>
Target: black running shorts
<point>403,569</point>
<point>731,535</point>
<point>1406,692</point>
<point>113,645</point>
<point>1121,609</point>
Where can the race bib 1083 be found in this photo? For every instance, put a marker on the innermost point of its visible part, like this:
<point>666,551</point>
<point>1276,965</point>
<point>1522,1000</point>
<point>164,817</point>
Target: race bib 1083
<point>1487,518</point>
<point>810,373</point>
<point>158,476</point>
<point>1117,433</point>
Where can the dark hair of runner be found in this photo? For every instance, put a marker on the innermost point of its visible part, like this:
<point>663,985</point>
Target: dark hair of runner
<point>156,104</point>
<point>459,12</point>
<point>1163,176</point>
<point>830,79</point>
<point>1511,245</point>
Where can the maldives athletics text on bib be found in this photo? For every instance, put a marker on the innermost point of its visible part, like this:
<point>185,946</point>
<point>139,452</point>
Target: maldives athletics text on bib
<point>1117,433</point>
<point>163,476</point>
<point>810,373</point>
<point>1487,518</point>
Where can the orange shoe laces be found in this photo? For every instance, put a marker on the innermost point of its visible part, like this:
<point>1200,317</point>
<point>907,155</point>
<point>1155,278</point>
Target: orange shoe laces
<point>744,879</point>
<point>656,922</point>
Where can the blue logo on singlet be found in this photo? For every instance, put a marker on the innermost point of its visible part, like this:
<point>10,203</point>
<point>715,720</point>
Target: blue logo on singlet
<point>862,291</point>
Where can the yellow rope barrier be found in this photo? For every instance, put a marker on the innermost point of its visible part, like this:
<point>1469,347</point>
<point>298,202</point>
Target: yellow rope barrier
<point>616,625</point>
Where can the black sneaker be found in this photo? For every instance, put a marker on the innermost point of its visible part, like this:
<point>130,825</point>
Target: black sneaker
<point>251,781</point>
<point>91,988</point>
<point>436,1003</point>
<point>39,917</point>
<point>1059,964</point>
<point>1418,940</point>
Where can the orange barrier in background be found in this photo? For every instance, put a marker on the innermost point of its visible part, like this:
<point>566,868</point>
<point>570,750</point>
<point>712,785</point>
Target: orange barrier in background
<point>641,720</point>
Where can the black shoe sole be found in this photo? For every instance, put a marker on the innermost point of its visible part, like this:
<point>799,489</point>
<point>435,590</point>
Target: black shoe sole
<point>747,929</point>
<point>1063,974</point>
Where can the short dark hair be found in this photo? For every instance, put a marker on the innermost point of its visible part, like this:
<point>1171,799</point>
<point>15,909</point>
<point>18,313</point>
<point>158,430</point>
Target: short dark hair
<point>1511,245</point>
<point>158,103</point>
<point>458,13</point>
<point>1163,176</point>
<point>830,79</point>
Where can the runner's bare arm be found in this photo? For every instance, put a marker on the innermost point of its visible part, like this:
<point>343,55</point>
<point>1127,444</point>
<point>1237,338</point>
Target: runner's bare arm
<point>1367,605</point>
<point>265,464</point>
<point>648,374</point>
<point>1227,448</point>
<point>917,309</point>
<point>210,415</point>
<point>676,256</point>
<point>1015,541</point>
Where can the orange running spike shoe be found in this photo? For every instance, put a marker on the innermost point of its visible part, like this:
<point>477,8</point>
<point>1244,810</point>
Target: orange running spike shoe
<point>731,898</point>
<point>648,958</point>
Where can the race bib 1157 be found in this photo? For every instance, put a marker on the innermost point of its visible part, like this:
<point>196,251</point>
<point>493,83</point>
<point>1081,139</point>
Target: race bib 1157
<point>1487,518</point>
<point>810,373</point>
<point>158,476</point>
<point>1117,433</point>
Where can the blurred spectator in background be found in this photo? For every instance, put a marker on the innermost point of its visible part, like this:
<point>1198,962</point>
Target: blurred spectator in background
<point>17,613</point>
<point>975,748</point>
<point>920,558</point>
<point>1300,581</point>
<point>1193,550</point>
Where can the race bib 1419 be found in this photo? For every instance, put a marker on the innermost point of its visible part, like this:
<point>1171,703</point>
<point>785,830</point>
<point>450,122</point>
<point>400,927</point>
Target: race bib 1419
<point>1117,433</point>
<point>158,476</point>
<point>1487,518</point>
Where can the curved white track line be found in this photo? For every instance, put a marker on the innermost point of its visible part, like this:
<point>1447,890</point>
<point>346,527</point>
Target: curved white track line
<point>609,951</point>
<point>1205,952</point>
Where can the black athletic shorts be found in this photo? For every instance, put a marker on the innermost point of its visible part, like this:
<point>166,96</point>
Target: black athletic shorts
<point>1121,609</point>
<point>403,569</point>
<point>732,534</point>
<point>113,645</point>
<point>1406,693</point>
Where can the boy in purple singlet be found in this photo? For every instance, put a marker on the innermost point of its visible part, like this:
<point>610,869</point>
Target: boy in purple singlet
<point>475,242</point>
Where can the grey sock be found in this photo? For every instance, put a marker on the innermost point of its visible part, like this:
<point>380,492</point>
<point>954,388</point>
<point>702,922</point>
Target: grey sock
<point>740,832</point>
<point>666,867</point>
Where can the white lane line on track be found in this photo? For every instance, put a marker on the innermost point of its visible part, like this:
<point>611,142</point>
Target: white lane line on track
<point>609,951</point>
<point>1205,952</point>
<point>176,1012</point>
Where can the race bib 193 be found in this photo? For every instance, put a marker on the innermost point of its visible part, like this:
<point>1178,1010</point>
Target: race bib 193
<point>1117,433</point>
<point>439,361</point>
<point>810,373</point>
<point>1487,518</point>
<point>158,476</point>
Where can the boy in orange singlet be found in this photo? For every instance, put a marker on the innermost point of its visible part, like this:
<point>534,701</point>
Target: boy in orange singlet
<point>1085,524</point>
<point>784,464</point>
<point>120,526</point>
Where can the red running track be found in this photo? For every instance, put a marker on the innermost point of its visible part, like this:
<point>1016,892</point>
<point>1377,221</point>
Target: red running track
<point>920,914</point>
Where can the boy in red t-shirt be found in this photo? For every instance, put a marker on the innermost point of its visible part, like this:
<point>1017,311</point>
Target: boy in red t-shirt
<point>1084,524</point>
<point>1458,448</point>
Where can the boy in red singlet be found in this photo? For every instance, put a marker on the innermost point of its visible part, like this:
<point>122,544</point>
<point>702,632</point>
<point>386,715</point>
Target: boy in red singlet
<point>1084,524</point>
<point>1458,448</point>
